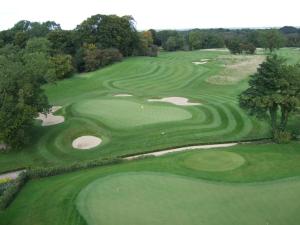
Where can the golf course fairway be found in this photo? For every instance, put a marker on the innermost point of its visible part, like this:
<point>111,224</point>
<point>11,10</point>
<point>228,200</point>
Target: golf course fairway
<point>166,199</point>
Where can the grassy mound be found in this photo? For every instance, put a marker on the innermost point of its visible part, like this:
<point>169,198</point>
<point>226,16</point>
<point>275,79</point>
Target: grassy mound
<point>143,198</point>
<point>121,114</point>
<point>214,161</point>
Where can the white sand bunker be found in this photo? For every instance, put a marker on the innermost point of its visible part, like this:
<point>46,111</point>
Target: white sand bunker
<point>215,49</point>
<point>175,100</point>
<point>50,119</point>
<point>122,95</point>
<point>199,63</point>
<point>86,142</point>
<point>3,146</point>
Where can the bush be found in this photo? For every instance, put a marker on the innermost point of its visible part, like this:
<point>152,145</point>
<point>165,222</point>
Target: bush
<point>4,184</point>
<point>152,51</point>
<point>282,137</point>
<point>52,171</point>
<point>248,48</point>
<point>236,46</point>
<point>12,190</point>
<point>62,65</point>
<point>94,58</point>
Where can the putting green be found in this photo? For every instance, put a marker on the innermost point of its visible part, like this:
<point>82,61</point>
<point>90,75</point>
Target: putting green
<point>122,114</point>
<point>155,198</point>
<point>214,161</point>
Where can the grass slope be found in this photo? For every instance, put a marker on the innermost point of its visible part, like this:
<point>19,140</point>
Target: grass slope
<point>53,200</point>
<point>90,108</point>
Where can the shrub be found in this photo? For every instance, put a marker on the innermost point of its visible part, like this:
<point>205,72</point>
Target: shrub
<point>62,65</point>
<point>12,190</point>
<point>94,58</point>
<point>236,46</point>
<point>52,171</point>
<point>282,137</point>
<point>4,184</point>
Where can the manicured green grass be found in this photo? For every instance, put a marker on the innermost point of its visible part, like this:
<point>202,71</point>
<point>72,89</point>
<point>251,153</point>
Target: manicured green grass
<point>264,189</point>
<point>218,119</point>
<point>214,161</point>
<point>156,198</point>
<point>122,114</point>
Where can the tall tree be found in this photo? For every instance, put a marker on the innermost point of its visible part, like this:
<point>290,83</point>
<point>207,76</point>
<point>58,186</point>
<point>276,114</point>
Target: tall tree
<point>274,88</point>
<point>272,39</point>
<point>110,32</point>
<point>21,99</point>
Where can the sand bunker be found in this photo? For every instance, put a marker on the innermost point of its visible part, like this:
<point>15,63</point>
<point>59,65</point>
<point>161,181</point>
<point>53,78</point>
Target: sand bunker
<point>199,63</point>
<point>215,49</point>
<point>3,146</point>
<point>86,142</point>
<point>122,95</point>
<point>175,100</point>
<point>50,119</point>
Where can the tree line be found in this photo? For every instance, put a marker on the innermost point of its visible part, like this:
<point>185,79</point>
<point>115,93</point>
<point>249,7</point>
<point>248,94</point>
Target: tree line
<point>236,40</point>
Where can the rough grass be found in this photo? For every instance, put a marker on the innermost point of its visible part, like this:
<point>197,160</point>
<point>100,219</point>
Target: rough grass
<point>236,68</point>
<point>52,201</point>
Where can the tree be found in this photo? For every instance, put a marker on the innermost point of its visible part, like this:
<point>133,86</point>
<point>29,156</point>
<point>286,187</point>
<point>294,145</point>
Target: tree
<point>62,65</point>
<point>94,57</point>
<point>156,40</point>
<point>272,39</point>
<point>63,42</point>
<point>21,99</point>
<point>146,46</point>
<point>35,45</point>
<point>195,40</point>
<point>110,32</point>
<point>274,88</point>
<point>238,46</point>
<point>170,44</point>
<point>21,39</point>
<point>248,48</point>
<point>37,59</point>
<point>234,46</point>
<point>35,29</point>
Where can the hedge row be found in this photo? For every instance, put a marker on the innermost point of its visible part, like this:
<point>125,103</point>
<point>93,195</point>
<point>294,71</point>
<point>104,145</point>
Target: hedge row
<point>10,193</point>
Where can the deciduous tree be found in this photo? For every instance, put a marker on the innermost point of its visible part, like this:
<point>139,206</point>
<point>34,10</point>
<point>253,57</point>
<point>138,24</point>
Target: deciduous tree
<point>274,92</point>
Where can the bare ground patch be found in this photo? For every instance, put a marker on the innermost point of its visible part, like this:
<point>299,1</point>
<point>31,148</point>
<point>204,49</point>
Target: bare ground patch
<point>236,68</point>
